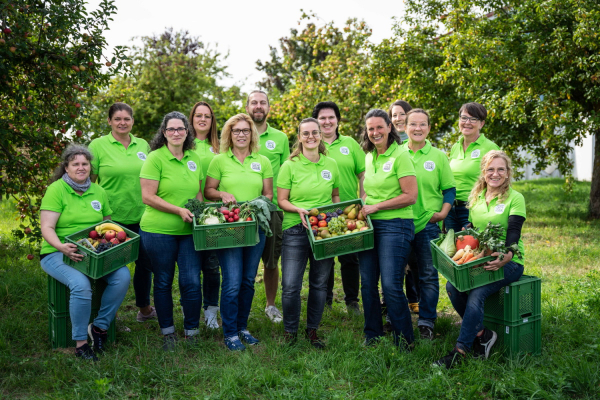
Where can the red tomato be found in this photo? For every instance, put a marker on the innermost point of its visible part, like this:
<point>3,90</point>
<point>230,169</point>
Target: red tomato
<point>249,219</point>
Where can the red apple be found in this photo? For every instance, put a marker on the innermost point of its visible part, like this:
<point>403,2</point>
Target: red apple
<point>94,235</point>
<point>115,241</point>
<point>7,30</point>
<point>109,235</point>
<point>79,133</point>
<point>27,230</point>
<point>108,63</point>
<point>121,236</point>
<point>351,224</point>
<point>30,256</point>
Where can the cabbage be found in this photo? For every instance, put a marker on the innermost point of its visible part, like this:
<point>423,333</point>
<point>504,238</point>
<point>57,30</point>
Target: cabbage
<point>448,245</point>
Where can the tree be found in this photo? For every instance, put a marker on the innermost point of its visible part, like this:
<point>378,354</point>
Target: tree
<point>51,56</point>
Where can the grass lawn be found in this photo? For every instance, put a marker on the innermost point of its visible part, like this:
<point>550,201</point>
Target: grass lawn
<point>562,248</point>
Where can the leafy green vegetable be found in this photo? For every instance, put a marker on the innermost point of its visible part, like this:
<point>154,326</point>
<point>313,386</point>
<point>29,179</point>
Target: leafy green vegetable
<point>261,208</point>
<point>492,238</point>
<point>448,245</point>
<point>197,207</point>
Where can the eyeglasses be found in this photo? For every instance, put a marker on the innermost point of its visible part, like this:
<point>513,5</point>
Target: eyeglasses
<point>237,132</point>
<point>472,120</point>
<point>171,131</point>
<point>206,116</point>
<point>313,134</point>
<point>500,171</point>
<point>422,125</point>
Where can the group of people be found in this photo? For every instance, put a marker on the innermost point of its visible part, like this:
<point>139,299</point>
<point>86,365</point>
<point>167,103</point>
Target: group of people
<point>409,189</point>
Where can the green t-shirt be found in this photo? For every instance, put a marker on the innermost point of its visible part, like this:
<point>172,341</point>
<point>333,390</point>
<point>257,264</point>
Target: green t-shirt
<point>179,181</point>
<point>433,176</point>
<point>118,169</point>
<point>206,153</point>
<point>310,184</point>
<point>275,146</point>
<point>497,213</point>
<point>381,179</point>
<point>350,159</point>
<point>466,168</point>
<point>76,212</point>
<point>243,181</point>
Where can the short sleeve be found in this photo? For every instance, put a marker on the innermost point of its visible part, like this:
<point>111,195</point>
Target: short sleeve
<point>284,179</point>
<point>214,168</point>
<point>95,157</point>
<point>446,176</point>
<point>52,200</point>
<point>268,169</point>
<point>359,157</point>
<point>152,167</point>
<point>404,165</point>
<point>517,205</point>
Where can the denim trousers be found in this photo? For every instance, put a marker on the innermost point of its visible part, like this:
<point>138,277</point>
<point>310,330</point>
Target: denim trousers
<point>350,278</point>
<point>80,303</point>
<point>429,282</point>
<point>387,259</point>
<point>142,276</point>
<point>469,305</point>
<point>211,278</point>
<point>295,253</point>
<point>164,251</point>
<point>239,266</point>
<point>457,218</point>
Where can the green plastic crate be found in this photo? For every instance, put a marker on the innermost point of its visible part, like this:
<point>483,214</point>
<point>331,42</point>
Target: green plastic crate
<point>227,235</point>
<point>60,329</point>
<point>466,276</point>
<point>519,300</point>
<point>59,294</point>
<point>517,338</point>
<point>97,265</point>
<point>344,244</point>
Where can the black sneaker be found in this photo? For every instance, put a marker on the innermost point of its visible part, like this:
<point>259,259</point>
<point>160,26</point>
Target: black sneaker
<point>315,341</point>
<point>85,352</point>
<point>426,332</point>
<point>482,345</point>
<point>450,360</point>
<point>99,338</point>
<point>353,308</point>
<point>169,342</point>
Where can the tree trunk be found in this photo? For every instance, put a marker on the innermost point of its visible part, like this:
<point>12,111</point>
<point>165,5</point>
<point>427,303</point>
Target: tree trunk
<point>595,191</point>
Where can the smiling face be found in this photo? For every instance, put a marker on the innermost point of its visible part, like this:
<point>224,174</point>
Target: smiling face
<point>309,136</point>
<point>258,107</point>
<point>121,122</point>
<point>241,141</point>
<point>79,169</point>
<point>399,118</point>
<point>378,132</point>
<point>496,173</point>
<point>175,132</point>
<point>417,127</point>
<point>202,120</point>
<point>467,128</point>
<point>328,121</point>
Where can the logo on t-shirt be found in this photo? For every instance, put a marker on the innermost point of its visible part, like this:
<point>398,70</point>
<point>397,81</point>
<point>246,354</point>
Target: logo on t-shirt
<point>192,166</point>
<point>269,144</point>
<point>344,150</point>
<point>429,166</point>
<point>96,205</point>
<point>387,167</point>
<point>141,156</point>
<point>475,153</point>
<point>255,166</point>
<point>326,175</point>
<point>500,208</point>
<point>211,150</point>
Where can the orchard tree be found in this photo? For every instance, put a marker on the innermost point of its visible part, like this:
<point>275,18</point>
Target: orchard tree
<point>51,56</point>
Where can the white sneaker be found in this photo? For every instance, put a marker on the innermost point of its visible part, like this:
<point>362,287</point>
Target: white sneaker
<point>274,314</point>
<point>210,317</point>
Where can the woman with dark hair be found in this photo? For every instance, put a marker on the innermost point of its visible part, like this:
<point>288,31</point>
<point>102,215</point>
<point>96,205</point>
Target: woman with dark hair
<point>170,176</point>
<point>390,191</point>
<point>204,129</point>
<point>397,114</point>
<point>72,203</point>
<point>465,159</point>
<point>118,159</point>
<point>351,163</point>
<point>308,179</point>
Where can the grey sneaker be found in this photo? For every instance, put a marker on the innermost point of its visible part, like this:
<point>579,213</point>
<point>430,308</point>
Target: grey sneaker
<point>143,318</point>
<point>482,345</point>
<point>169,342</point>
<point>210,317</point>
<point>274,314</point>
<point>426,332</point>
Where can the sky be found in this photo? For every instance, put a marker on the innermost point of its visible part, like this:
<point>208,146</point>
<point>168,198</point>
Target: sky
<point>245,29</point>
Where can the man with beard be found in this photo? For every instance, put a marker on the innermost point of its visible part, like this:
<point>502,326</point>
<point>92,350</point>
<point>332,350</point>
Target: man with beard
<point>275,146</point>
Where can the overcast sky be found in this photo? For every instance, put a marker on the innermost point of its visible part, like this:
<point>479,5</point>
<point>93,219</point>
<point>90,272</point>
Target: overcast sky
<point>245,29</point>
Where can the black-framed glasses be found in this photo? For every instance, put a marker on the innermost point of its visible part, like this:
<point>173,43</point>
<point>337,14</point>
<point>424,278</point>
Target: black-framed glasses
<point>245,132</point>
<point>464,118</point>
<point>171,131</point>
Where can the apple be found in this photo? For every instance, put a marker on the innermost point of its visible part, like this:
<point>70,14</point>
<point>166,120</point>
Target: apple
<point>27,230</point>
<point>77,105</point>
<point>30,256</point>
<point>313,221</point>
<point>110,234</point>
<point>75,68</point>
<point>7,30</point>
<point>322,224</point>
<point>115,241</point>
<point>102,240</point>
<point>360,224</point>
<point>121,236</point>
<point>2,41</point>
<point>94,235</point>
<point>13,49</point>
<point>108,63</point>
<point>79,133</point>
<point>351,224</point>
<point>364,228</point>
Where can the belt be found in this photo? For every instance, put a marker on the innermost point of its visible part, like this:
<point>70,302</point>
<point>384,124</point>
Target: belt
<point>460,203</point>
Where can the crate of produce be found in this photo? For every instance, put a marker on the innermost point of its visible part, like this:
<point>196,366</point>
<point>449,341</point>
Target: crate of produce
<point>524,336</point>
<point>60,329</point>
<point>467,276</point>
<point>59,294</point>
<point>224,235</point>
<point>333,246</point>
<point>96,265</point>
<point>517,301</point>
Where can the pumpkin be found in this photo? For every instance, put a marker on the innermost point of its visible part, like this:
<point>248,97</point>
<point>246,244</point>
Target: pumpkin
<point>466,240</point>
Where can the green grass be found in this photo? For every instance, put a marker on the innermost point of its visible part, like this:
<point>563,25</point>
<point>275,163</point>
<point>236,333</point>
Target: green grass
<point>562,247</point>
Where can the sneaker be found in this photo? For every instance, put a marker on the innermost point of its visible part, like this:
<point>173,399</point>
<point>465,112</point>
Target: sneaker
<point>210,317</point>
<point>426,332</point>
<point>482,345</point>
<point>414,307</point>
<point>374,341</point>
<point>99,338</point>
<point>290,337</point>
<point>143,318</point>
<point>450,360</point>
<point>353,308</point>
<point>85,352</point>
<point>169,342</point>
<point>274,314</point>
<point>315,341</point>
<point>247,338</point>
<point>233,343</point>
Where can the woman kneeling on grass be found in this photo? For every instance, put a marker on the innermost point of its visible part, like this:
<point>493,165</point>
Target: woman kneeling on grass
<point>72,203</point>
<point>491,200</point>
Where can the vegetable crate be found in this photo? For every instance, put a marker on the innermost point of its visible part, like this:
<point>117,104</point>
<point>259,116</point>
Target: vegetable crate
<point>60,329</point>
<point>96,265</point>
<point>467,276</point>
<point>524,336</point>
<point>343,244</point>
<point>517,301</point>
<point>226,235</point>
<point>59,294</point>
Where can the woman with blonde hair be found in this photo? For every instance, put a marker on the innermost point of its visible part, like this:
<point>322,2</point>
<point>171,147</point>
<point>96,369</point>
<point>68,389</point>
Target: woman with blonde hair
<point>491,200</point>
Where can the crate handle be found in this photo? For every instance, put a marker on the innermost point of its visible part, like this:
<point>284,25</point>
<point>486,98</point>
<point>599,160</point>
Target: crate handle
<point>117,262</point>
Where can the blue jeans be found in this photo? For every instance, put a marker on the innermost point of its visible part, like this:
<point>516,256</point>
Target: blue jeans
<point>238,266</point>
<point>211,280</point>
<point>295,252</point>
<point>429,282</point>
<point>388,258</point>
<point>80,303</point>
<point>458,218</point>
<point>165,251</point>
<point>469,305</point>
<point>142,277</point>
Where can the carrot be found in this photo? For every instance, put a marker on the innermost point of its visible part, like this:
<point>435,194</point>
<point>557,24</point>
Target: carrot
<point>469,258</point>
<point>464,257</point>
<point>477,256</point>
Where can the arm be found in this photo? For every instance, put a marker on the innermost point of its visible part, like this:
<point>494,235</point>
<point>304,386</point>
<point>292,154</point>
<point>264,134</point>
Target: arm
<point>335,195</point>
<point>150,198</point>
<point>282,199</point>
<point>410,191</point>
<point>361,180</point>
<point>268,188</point>
<point>48,220</point>
<point>513,234</point>
<point>211,192</point>
<point>449,196</point>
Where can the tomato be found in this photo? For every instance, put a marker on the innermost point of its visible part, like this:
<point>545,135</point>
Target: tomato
<point>249,219</point>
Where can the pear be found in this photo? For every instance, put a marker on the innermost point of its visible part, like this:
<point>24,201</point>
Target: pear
<point>314,212</point>
<point>348,209</point>
<point>352,214</point>
<point>361,216</point>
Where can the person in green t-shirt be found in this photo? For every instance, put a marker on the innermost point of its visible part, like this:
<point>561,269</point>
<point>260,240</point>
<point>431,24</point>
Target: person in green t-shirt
<point>390,191</point>
<point>436,195</point>
<point>465,159</point>
<point>72,203</point>
<point>204,127</point>
<point>307,180</point>
<point>171,175</point>
<point>350,159</point>
<point>239,174</point>
<point>491,200</point>
<point>118,159</point>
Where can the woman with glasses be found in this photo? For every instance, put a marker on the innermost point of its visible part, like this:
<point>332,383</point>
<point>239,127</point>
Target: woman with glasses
<point>309,179</point>
<point>204,128</point>
<point>465,158</point>
<point>491,200</point>
<point>239,174</point>
<point>170,176</point>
